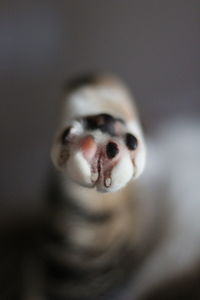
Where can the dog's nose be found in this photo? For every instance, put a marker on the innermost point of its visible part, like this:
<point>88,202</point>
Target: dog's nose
<point>112,150</point>
<point>88,146</point>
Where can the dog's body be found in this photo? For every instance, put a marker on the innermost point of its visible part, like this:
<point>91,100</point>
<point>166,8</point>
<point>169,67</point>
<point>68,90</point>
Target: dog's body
<point>111,236</point>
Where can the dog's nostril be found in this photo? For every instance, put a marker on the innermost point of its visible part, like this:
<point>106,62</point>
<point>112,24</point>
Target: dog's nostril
<point>112,150</point>
<point>131,141</point>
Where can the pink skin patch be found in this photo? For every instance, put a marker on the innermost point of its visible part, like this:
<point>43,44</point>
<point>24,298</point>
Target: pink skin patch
<point>88,147</point>
<point>101,164</point>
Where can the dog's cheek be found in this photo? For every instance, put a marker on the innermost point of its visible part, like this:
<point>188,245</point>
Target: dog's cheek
<point>122,173</point>
<point>139,161</point>
<point>78,169</point>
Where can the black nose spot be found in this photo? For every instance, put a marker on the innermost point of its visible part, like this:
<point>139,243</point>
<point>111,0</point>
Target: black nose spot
<point>131,141</point>
<point>90,123</point>
<point>104,122</point>
<point>112,150</point>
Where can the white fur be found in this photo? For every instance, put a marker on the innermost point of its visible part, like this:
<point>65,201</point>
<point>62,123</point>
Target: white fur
<point>140,160</point>
<point>88,100</point>
<point>79,169</point>
<point>121,173</point>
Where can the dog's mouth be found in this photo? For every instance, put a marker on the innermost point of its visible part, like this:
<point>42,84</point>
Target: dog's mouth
<point>101,170</point>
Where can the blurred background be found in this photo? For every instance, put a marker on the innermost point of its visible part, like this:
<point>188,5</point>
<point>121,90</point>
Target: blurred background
<point>153,45</point>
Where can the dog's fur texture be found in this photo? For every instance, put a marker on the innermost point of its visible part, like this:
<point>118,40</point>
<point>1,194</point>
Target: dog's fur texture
<point>110,235</point>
